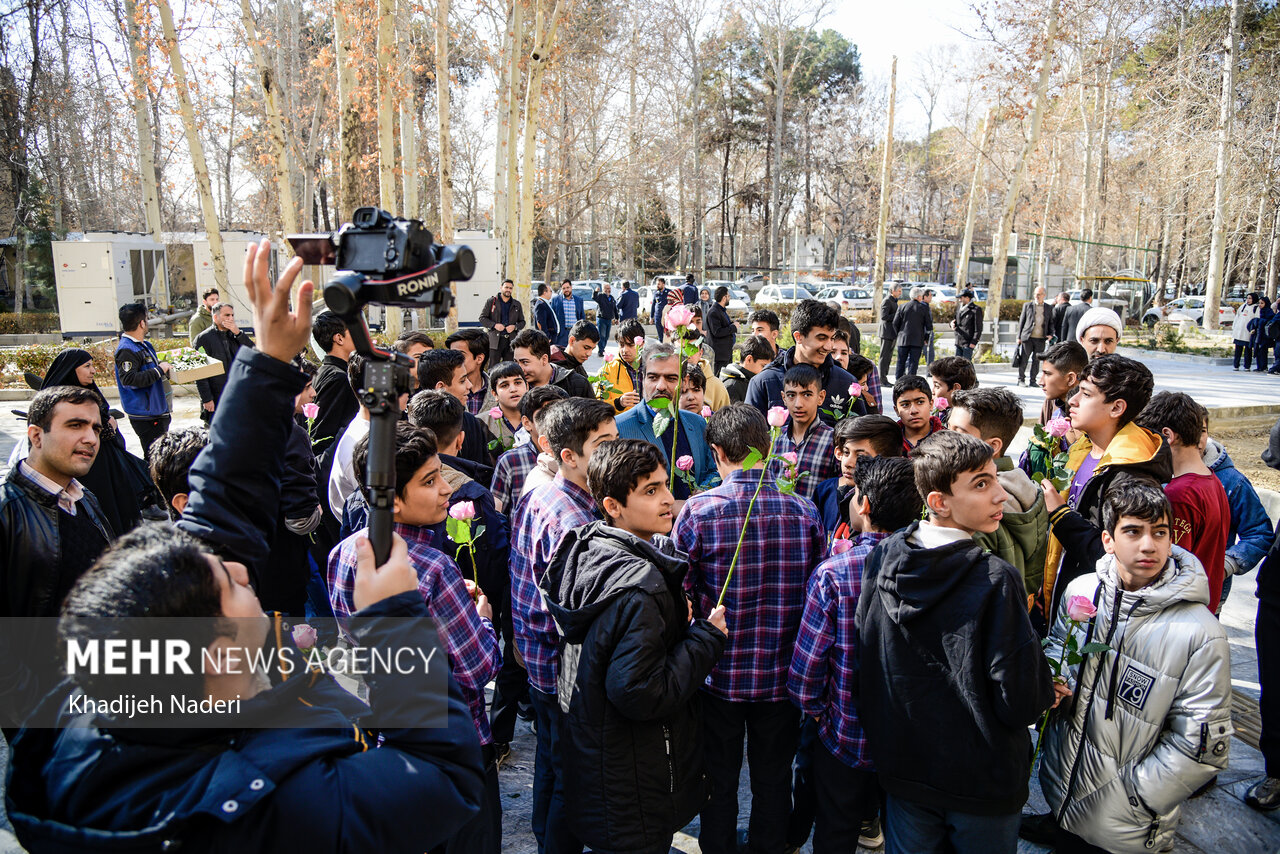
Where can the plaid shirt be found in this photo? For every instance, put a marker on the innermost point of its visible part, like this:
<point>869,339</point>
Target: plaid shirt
<point>541,520</point>
<point>509,473</point>
<point>474,656</point>
<point>476,397</point>
<point>824,667</point>
<point>815,454</point>
<point>783,543</point>
<point>873,380</point>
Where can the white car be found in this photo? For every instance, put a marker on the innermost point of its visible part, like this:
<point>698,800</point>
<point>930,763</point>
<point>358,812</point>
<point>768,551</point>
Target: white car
<point>849,297</point>
<point>1187,308</point>
<point>785,294</point>
<point>941,293</point>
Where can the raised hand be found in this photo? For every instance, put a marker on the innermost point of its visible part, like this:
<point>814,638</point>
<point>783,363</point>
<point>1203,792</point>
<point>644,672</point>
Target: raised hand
<point>282,334</point>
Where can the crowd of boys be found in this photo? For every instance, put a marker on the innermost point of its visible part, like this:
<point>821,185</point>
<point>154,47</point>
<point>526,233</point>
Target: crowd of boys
<point>865,607</point>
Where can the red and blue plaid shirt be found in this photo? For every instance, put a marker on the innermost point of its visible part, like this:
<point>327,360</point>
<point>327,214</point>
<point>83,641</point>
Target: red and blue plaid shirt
<point>816,454</point>
<point>783,543</point>
<point>509,474</point>
<point>824,667</point>
<point>873,380</point>
<point>472,644</point>
<point>541,520</point>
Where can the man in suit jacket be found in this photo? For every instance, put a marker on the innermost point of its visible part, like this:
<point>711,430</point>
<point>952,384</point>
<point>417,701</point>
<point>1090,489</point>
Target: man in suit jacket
<point>568,310</point>
<point>721,330</point>
<point>1034,326</point>
<point>888,335</point>
<point>220,341</point>
<point>503,316</point>
<point>1066,328</point>
<point>661,372</point>
<point>914,325</point>
<point>628,303</point>
<point>544,318</point>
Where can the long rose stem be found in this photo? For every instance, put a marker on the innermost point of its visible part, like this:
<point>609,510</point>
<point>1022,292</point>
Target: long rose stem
<point>764,470</point>
<point>1044,720</point>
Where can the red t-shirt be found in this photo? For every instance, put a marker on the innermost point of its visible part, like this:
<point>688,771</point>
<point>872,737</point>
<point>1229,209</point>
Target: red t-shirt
<point>1201,521</point>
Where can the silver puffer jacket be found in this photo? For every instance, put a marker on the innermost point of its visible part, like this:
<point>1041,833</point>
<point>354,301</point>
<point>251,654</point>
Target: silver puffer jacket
<point>1150,721</point>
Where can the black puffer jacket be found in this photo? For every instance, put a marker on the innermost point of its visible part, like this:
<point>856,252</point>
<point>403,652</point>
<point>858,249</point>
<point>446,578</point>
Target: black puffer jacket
<point>951,675</point>
<point>630,670</point>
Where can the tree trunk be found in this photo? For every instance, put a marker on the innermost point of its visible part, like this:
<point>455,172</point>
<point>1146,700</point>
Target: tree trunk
<point>147,177</point>
<point>999,253</point>
<point>1042,263</point>
<point>275,121</point>
<point>886,177</point>
<point>348,116</point>
<point>512,248</point>
<point>197,149</point>
<point>444,156</point>
<point>779,97</point>
<point>505,119</point>
<point>1226,106</point>
<point>966,242</point>
<point>408,140</point>
<point>1273,259</point>
<point>386,108</point>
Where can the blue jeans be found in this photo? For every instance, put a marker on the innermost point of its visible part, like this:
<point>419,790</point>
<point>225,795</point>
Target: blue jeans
<point>550,818</point>
<point>603,326</point>
<point>913,828</point>
<point>964,352</point>
<point>908,361</point>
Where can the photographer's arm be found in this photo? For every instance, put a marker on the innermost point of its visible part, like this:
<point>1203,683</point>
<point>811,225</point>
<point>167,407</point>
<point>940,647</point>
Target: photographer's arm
<point>235,482</point>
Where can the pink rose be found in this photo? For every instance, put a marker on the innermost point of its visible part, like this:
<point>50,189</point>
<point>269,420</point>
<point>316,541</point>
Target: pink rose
<point>609,357</point>
<point>706,411</point>
<point>495,412</point>
<point>463,510</point>
<point>941,404</point>
<point>840,546</point>
<point>684,463</point>
<point>777,416</point>
<point>638,341</point>
<point>304,636</point>
<point>1080,609</point>
<point>310,410</point>
<point>677,316</point>
<point>1059,427</point>
<point>855,389</point>
<point>791,457</point>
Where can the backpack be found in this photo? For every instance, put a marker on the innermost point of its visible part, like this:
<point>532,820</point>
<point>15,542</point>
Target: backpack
<point>1272,330</point>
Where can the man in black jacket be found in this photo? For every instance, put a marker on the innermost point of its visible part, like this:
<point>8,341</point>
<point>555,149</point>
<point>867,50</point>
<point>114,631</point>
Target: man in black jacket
<point>220,341</point>
<point>315,785</point>
<point>334,396</point>
<point>51,531</point>
<point>888,335</point>
<point>721,330</point>
<point>632,660</point>
<point>950,665</point>
<point>606,312</point>
<point>914,326</point>
<point>1066,328</point>
<point>968,325</point>
<point>503,316</point>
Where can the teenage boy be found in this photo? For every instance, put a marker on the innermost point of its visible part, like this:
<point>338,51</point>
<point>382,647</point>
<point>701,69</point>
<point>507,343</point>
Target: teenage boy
<point>994,415</point>
<point>422,502</point>
<point>334,396</point>
<point>812,442</point>
<point>1113,390</point>
<point>693,390</point>
<point>573,428</point>
<point>812,326</point>
<point>949,375</point>
<point>823,678</point>
<point>507,387</point>
<point>755,353</point>
<point>1151,720</point>
<point>913,402</point>
<point>747,691</point>
<point>473,344</point>
<point>632,660</point>
<point>949,665</point>
<point>1201,513</point>
<point>533,355</point>
<point>1060,370</point>
<point>621,372</point>
<point>766,324</point>
<point>855,438</point>
<point>513,467</point>
<point>447,370</point>
<point>583,339</point>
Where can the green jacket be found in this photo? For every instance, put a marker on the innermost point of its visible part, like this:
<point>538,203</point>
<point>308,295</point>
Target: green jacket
<point>200,321</point>
<point>1023,535</point>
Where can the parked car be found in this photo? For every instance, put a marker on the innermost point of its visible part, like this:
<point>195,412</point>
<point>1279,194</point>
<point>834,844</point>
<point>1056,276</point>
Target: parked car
<point>850,298</point>
<point>784,293</point>
<point>1103,299</point>
<point>739,301</point>
<point>585,290</point>
<point>1187,308</point>
<point>941,293</point>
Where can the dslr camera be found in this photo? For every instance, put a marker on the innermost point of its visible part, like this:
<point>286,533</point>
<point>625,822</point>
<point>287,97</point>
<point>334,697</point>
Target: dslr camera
<point>386,260</point>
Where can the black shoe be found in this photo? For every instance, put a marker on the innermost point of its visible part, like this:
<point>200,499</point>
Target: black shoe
<point>1264,795</point>
<point>501,753</point>
<point>1040,829</point>
<point>524,711</point>
<point>871,836</point>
